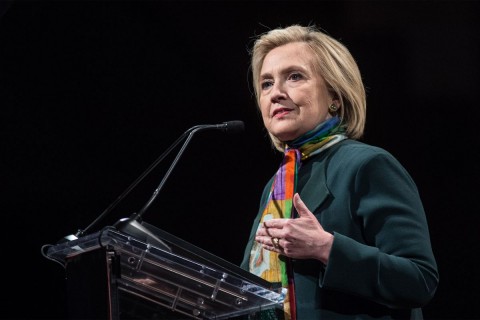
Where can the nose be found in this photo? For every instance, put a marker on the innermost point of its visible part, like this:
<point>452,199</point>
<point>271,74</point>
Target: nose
<point>278,92</point>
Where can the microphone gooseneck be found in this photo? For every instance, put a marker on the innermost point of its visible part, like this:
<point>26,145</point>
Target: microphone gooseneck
<point>235,126</point>
<point>81,232</point>
<point>139,214</point>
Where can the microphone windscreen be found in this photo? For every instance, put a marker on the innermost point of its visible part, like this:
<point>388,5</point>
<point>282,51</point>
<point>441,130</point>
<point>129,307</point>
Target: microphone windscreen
<point>235,126</point>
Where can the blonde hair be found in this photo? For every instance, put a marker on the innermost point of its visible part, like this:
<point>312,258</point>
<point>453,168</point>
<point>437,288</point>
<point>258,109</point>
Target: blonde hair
<point>333,62</point>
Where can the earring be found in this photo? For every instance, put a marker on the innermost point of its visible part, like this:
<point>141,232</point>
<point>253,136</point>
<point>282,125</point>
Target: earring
<point>333,108</point>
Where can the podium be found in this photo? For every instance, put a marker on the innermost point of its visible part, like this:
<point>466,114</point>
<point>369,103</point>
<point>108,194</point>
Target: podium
<point>111,274</point>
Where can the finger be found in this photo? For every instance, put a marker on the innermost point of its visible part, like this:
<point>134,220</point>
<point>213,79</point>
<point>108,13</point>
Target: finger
<point>300,206</point>
<point>265,228</point>
<point>269,247</point>
<point>274,223</point>
<point>275,242</point>
<point>267,241</point>
<point>264,231</point>
<point>269,233</point>
<point>272,246</point>
<point>263,239</point>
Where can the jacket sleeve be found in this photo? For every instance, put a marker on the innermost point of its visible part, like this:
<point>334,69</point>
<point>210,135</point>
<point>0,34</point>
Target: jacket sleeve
<point>394,264</point>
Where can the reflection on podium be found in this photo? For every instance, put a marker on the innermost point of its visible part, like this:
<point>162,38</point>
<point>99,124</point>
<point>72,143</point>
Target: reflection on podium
<point>114,275</point>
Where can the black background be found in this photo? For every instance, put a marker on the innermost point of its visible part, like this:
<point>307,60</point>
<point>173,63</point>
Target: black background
<point>91,93</point>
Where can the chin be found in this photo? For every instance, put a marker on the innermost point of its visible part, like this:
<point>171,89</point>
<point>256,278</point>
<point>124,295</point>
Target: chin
<point>284,131</point>
<point>286,136</point>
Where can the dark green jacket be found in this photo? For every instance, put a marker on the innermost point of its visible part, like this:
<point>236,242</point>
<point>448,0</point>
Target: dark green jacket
<point>381,264</point>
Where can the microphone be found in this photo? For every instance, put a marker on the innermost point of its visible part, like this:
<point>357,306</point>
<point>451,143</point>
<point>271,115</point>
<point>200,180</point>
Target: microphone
<point>235,126</point>
<point>231,127</point>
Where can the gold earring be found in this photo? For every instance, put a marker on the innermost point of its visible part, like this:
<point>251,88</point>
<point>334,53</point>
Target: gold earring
<point>333,108</point>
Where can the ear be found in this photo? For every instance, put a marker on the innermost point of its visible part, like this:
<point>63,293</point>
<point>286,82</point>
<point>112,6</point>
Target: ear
<point>335,99</point>
<point>336,102</point>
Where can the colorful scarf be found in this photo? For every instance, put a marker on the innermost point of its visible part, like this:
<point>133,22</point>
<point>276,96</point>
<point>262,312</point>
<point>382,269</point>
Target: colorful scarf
<point>270,265</point>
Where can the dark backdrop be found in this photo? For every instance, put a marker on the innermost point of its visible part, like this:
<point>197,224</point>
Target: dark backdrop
<point>92,92</point>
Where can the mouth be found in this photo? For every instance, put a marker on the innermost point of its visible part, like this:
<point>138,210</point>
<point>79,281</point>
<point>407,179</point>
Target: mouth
<point>280,112</point>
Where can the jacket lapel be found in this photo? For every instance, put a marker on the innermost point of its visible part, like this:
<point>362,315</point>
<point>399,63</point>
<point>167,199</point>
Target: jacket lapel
<point>312,185</point>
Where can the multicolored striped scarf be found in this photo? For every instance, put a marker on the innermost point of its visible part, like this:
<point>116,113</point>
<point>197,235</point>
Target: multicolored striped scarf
<point>270,265</point>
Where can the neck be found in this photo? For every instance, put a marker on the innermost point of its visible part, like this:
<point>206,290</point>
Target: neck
<point>322,136</point>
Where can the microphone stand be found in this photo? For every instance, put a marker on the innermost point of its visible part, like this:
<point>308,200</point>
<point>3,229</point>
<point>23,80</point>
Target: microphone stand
<point>138,216</point>
<point>81,232</point>
<point>133,224</point>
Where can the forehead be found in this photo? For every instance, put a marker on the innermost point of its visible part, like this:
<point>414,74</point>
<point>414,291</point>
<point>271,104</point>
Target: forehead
<point>291,54</point>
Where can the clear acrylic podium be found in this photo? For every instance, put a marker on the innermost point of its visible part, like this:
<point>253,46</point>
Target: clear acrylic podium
<point>113,275</point>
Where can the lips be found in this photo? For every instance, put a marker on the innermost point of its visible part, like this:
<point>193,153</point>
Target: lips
<point>280,112</point>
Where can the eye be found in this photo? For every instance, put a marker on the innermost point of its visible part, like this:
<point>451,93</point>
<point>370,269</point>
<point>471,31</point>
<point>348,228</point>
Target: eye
<point>295,76</point>
<point>266,84</point>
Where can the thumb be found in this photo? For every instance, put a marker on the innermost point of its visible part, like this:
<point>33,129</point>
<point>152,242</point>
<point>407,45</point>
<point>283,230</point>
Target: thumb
<point>300,206</point>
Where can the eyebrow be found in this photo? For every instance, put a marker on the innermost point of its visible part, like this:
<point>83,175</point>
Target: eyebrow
<point>286,70</point>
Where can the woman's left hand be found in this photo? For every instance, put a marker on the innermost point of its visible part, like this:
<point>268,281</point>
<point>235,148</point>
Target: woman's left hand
<point>300,238</point>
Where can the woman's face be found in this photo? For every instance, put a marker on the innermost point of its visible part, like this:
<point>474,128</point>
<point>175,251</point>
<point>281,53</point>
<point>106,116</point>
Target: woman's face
<point>293,98</point>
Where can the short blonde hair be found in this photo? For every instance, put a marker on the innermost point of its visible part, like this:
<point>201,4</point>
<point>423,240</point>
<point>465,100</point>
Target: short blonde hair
<point>334,63</point>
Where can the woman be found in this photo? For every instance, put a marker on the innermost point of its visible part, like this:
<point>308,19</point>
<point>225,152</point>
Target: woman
<point>341,225</point>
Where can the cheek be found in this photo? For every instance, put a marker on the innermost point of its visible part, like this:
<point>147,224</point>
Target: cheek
<point>263,107</point>
<point>302,97</point>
